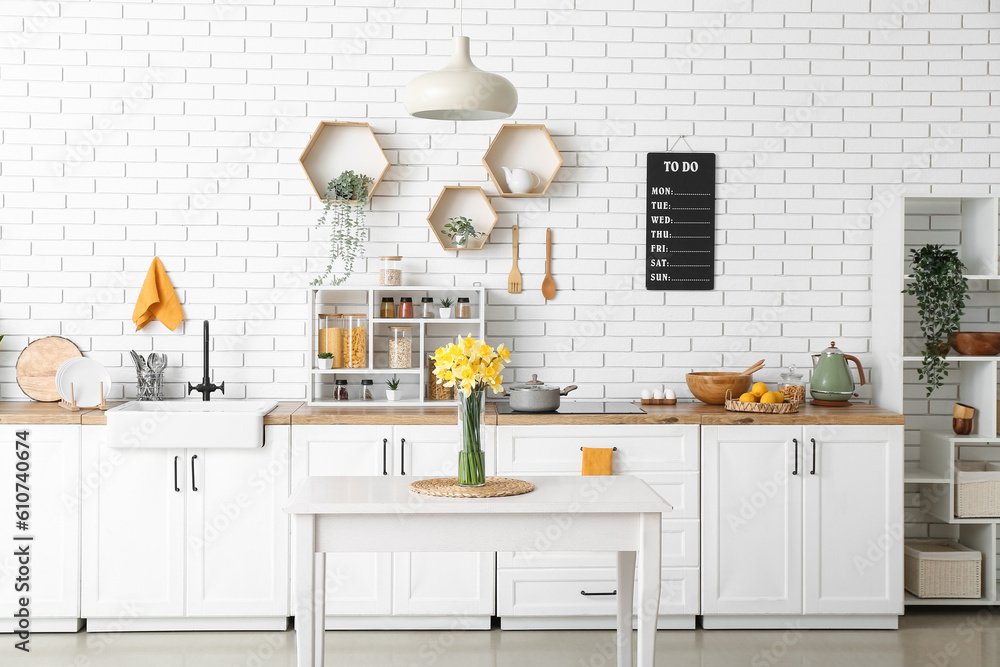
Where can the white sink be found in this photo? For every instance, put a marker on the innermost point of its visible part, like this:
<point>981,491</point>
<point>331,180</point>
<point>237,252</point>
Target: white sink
<point>204,424</point>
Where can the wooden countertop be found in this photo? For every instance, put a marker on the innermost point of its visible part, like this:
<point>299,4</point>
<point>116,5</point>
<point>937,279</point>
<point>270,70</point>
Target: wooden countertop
<point>716,415</point>
<point>31,412</point>
<point>403,415</point>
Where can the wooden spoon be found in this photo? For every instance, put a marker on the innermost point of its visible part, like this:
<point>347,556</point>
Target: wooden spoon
<point>753,369</point>
<point>548,285</point>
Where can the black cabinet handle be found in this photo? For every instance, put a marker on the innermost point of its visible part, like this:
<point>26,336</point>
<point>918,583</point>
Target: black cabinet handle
<point>176,488</point>
<point>193,487</point>
<point>614,592</point>
<point>813,471</point>
<point>385,444</point>
<point>402,456</point>
<point>795,470</point>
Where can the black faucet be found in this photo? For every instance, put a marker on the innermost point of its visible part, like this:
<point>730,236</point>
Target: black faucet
<point>206,387</point>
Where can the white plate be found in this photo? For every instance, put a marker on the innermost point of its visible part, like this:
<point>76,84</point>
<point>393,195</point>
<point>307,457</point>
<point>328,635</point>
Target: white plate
<point>86,376</point>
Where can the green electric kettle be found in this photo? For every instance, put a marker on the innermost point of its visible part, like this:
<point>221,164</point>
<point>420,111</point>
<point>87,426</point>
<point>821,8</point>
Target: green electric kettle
<point>831,376</point>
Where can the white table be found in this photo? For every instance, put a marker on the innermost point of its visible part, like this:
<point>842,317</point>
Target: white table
<point>365,514</point>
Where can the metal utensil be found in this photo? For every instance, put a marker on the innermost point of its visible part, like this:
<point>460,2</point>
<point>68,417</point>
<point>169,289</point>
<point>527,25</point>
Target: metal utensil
<point>514,279</point>
<point>157,362</point>
<point>548,285</point>
<point>141,362</point>
<point>136,359</point>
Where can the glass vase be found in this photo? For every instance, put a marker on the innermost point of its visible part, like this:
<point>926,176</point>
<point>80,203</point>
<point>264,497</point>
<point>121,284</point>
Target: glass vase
<point>471,460</point>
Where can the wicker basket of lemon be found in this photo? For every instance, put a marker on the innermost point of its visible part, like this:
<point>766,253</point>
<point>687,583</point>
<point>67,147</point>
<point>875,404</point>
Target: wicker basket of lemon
<point>761,400</point>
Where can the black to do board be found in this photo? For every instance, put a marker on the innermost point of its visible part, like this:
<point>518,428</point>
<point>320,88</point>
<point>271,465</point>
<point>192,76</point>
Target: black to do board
<point>680,221</point>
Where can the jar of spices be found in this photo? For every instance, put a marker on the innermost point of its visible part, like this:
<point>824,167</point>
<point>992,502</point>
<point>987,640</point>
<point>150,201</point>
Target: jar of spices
<point>463,310</point>
<point>331,331</point>
<point>792,386</point>
<point>405,307</point>
<point>355,339</point>
<point>427,308</point>
<point>390,270</point>
<point>400,347</point>
<point>367,390</point>
<point>388,309</point>
<point>340,391</point>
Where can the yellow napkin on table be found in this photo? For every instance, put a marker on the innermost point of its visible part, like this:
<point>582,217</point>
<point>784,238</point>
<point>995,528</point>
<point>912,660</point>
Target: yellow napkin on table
<point>157,299</point>
<point>597,460</point>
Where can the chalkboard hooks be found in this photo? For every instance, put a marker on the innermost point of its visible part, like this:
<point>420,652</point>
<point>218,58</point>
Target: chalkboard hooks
<point>678,140</point>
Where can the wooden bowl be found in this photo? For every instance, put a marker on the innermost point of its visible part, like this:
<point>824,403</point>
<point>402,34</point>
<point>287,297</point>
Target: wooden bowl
<point>977,343</point>
<point>711,388</point>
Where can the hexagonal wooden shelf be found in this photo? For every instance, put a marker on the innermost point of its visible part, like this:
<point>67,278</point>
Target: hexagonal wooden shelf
<point>338,146</point>
<point>527,147</point>
<point>468,200</point>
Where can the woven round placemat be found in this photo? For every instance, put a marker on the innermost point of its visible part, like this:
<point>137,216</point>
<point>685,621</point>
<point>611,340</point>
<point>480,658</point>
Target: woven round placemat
<point>448,487</point>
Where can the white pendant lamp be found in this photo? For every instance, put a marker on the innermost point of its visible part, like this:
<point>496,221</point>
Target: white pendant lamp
<point>460,91</point>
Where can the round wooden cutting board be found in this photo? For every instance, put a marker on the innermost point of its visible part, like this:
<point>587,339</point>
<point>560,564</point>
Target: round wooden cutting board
<point>37,366</point>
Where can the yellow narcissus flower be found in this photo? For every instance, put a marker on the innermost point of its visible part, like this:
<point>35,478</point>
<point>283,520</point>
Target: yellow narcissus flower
<point>471,365</point>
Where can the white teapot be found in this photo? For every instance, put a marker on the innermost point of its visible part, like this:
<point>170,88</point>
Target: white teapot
<point>520,181</point>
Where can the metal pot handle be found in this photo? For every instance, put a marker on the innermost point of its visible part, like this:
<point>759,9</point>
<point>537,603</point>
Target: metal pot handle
<point>568,389</point>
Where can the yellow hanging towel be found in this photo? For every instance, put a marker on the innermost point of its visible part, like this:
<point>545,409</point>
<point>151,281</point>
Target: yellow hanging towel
<point>597,460</point>
<point>157,300</point>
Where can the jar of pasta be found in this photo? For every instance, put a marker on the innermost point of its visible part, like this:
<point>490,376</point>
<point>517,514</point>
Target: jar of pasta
<point>331,333</point>
<point>355,341</point>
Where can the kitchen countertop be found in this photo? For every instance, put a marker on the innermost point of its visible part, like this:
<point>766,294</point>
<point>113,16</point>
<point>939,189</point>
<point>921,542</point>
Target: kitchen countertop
<point>403,415</point>
<point>30,412</point>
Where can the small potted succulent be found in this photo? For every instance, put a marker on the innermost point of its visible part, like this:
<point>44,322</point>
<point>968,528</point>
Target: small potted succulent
<point>325,361</point>
<point>444,312</point>
<point>461,230</point>
<point>392,393</point>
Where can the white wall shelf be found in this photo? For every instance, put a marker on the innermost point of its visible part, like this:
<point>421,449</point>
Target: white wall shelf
<point>428,335</point>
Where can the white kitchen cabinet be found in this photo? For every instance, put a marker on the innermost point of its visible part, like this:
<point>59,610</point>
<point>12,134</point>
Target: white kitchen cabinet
<point>400,589</point>
<point>189,534</point>
<point>800,522</point>
<point>53,467</point>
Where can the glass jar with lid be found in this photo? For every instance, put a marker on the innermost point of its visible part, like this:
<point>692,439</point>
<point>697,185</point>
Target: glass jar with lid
<point>793,388</point>
<point>427,307</point>
<point>463,309</point>
<point>367,390</point>
<point>340,391</point>
<point>331,332</point>
<point>355,341</point>
<point>387,310</point>
<point>405,307</point>
<point>400,347</point>
<point>390,271</point>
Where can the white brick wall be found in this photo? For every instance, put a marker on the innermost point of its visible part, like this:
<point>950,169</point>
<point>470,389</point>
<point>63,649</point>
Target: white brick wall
<point>132,129</point>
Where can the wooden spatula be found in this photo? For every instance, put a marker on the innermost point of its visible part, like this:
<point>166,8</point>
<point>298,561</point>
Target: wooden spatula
<point>548,285</point>
<point>753,369</point>
<point>514,279</point>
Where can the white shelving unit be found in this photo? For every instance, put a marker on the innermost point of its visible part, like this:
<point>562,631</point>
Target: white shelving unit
<point>428,335</point>
<point>971,225</point>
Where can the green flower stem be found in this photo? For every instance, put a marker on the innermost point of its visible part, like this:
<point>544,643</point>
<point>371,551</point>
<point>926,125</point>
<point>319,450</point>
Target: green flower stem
<point>471,460</point>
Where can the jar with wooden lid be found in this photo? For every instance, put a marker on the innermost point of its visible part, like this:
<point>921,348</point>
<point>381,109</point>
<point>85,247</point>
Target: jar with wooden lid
<point>331,332</point>
<point>463,309</point>
<point>390,271</point>
<point>792,386</point>
<point>400,347</point>
<point>355,340</point>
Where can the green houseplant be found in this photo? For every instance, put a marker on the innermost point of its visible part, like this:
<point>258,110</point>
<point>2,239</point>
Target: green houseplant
<point>444,311</point>
<point>325,362</point>
<point>344,211</point>
<point>461,230</point>
<point>941,291</point>
<point>393,387</point>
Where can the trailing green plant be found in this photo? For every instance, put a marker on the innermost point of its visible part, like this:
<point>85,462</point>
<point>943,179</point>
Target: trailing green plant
<point>344,211</point>
<point>446,302</point>
<point>325,355</point>
<point>941,291</point>
<point>393,384</point>
<point>460,230</point>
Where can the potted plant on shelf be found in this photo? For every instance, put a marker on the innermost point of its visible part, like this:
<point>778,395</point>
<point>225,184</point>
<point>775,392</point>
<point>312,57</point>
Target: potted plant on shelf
<point>941,291</point>
<point>344,210</point>
<point>444,312</point>
<point>461,230</point>
<point>325,361</point>
<point>392,393</point>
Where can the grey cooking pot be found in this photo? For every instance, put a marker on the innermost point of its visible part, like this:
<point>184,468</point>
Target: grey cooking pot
<point>535,396</point>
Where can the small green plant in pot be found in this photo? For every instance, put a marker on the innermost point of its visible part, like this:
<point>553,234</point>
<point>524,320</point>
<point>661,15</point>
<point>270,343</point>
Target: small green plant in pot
<point>941,291</point>
<point>344,211</point>
<point>461,230</point>
<point>392,393</point>
<point>444,312</point>
<point>325,361</point>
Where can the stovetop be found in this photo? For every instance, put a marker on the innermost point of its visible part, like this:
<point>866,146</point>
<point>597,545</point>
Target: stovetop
<point>577,408</point>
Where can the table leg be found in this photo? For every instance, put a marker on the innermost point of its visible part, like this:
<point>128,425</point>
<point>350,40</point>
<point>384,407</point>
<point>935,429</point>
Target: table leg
<point>626,586</point>
<point>319,609</point>
<point>649,586</point>
<point>305,584</point>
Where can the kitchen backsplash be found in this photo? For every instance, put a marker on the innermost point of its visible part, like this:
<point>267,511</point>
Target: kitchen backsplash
<point>135,129</point>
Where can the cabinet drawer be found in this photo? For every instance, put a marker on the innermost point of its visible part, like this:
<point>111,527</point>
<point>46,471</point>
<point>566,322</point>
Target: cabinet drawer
<point>556,449</point>
<point>681,542</point>
<point>557,592</point>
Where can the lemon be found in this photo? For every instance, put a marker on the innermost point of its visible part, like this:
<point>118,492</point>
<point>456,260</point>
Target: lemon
<point>772,397</point>
<point>758,389</point>
<point>748,398</point>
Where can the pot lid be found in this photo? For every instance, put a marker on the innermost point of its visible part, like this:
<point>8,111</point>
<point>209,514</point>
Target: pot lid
<point>533,384</point>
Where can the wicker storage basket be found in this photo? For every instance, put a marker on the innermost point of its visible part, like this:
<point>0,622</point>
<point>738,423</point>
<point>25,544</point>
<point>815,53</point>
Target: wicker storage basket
<point>977,489</point>
<point>942,569</point>
<point>734,405</point>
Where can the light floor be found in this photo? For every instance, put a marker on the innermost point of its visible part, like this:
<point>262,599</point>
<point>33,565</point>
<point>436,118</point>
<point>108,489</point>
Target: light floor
<point>927,638</point>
